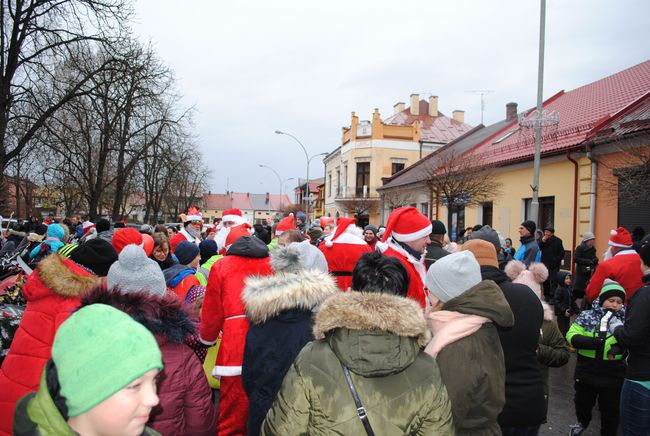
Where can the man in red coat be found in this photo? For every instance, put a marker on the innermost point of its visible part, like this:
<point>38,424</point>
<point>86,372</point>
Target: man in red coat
<point>624,266</point>
<point>406,238</point>
<point>343,249</point>
<point>192,228</point>
<point>223,311</point>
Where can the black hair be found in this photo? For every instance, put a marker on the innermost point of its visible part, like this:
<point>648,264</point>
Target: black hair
<point>477,227</point>
<point>375,272</point>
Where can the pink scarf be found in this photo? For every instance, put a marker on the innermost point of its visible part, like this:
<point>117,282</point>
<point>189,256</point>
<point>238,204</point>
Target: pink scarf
<point>448,327</point>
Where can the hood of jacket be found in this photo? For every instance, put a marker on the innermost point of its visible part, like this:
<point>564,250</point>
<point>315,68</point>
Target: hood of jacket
<point>165,317</point>
<point>268,296</point>
<point>248,246</point>
<point>61,276</point>
<point>493,273</point>
<point>484,299</point>
<point>373,334</point>
<point>176,273</point>
<point>561,276</point>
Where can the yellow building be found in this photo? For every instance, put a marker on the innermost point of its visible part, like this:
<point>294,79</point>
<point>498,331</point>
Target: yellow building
<point>375,149</point>
<point>591,134</point>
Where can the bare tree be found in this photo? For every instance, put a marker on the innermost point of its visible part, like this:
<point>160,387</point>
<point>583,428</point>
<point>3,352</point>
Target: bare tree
<point>360,205</point>
<point>630,168</point>
<point>397,197</point>
<point>458,181</point>
<point>36,36</point>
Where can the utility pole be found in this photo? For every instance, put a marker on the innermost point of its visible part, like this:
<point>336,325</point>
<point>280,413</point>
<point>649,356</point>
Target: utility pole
<point>534,204</point>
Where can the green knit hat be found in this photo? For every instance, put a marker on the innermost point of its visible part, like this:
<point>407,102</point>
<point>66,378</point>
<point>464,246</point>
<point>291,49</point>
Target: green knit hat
<point>611,289</point>
<point>98,351</point>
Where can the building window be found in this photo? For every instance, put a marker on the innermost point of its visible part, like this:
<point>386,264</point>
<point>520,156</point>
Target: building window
<point>338,183</point>
<point>424,207</point>
<point>546,215</point>
<point>487,210</point>
<point>396,167</point>
<point>329,184</point>
<point>363,178</point>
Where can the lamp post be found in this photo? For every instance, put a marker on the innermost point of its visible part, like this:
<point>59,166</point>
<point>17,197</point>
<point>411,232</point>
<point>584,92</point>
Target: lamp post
<point>279,132</point>
<point>282,190</point>
<point>276,175</point>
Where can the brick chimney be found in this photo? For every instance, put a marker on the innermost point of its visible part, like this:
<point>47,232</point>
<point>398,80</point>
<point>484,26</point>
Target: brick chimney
<point>459,116</point>
<point>433,106</point>
<point>511,111</point>
<point>398,107</point>
<point>415,104</point>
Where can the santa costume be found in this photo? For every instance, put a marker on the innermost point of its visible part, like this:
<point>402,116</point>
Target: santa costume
<point>624,267</point>
<point>286,223</point>
<point>229,218</point>
<point>223,311</point>
<point>187,233</point>
<point>406,224</point>
<point>342,250</point>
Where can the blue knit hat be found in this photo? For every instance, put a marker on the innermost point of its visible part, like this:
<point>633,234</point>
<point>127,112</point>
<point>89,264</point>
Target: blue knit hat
<point>186,252</point>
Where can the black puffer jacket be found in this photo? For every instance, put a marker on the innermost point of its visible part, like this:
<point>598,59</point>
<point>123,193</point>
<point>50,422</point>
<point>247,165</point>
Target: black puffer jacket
<point>635,334</point>
<point>524,385</point>
<point>586,261</point>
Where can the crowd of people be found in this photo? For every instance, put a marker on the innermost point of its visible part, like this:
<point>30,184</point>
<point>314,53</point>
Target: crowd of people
<point>322,327</point>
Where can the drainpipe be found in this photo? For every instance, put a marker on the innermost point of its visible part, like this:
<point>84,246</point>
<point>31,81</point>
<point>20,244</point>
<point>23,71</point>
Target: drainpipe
<point>575,207</point>
<point>592,194</point>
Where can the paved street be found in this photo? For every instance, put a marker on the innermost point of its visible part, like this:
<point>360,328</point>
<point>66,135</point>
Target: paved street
<point>561,411</point>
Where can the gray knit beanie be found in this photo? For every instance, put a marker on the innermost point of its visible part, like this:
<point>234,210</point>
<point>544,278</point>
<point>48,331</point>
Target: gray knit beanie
<point>134,271</point>
<point>450,276</point>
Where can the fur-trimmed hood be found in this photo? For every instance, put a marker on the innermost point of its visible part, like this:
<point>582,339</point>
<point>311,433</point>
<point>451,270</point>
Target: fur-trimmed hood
<point>61,276</point>
<point>268,296</point>
<point>165,316</point>
<point>372,311</point>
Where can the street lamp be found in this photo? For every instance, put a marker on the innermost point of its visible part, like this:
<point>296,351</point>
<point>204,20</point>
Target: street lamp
<point>280,132</point>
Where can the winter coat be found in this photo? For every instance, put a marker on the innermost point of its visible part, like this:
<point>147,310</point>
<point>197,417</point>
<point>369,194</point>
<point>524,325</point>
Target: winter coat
<point>524,386</point>
<point>552,353</point>
<point>379,338</point>
<point>343,253</point>
<point>43,412</point>
<point>417,272</point>
<point>624,267</point>
<point>635,334</point>
<point>552,253</point>
<point>204,270</point>
<point>52,292</point>
<point>223,308</point>
<point>473,368</point>
<point>529,251</point>
<point>563,296</point>
<point>585,259</point>
<point>181,236</point>
<point>180,279</point>
<point>593,348</point>
<point>279,309</point>
<point>186,406</point>
<point>434,252</point>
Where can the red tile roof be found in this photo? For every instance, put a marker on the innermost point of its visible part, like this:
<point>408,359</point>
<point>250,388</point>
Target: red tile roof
<point>241,201</point>
<point>581,110</point>
<point>440,129</point>
<point>633,119</point>
<point>216,201</point>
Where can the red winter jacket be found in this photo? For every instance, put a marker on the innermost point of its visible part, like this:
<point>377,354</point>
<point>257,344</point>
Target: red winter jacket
<point>342,255</point>
<point>186,406</point>
<point>416,289</point>
<point>223,309</point>
<point>52,292</point>
<point>624,267</point>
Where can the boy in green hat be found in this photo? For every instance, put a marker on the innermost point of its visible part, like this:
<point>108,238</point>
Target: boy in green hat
<point>101,378</point>
<point>599,370</point>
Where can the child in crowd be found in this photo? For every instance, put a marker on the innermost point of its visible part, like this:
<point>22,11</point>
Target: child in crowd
<point>565,305</point>
<point>599,371</point>
<point>509,250</point>
<point>101,378</point>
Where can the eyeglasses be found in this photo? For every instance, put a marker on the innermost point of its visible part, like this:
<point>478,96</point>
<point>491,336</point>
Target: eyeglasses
<point>197,222</point>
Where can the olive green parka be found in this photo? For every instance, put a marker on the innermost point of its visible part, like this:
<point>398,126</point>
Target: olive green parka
<point>379,338</point>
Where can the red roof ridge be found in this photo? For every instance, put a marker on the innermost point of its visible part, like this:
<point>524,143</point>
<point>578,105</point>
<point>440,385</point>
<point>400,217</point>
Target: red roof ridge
<point>607,119</point>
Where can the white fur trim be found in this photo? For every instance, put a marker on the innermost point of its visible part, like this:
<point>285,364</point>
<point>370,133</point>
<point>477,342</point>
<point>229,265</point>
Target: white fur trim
<point>227,371</point>
<point>208,343</point>
<point>614,244</point>
<point>418,265</point>
<point>409,237</point>
<point>193,218</point>
<point>624,252</point>
<point>349,236</point>
<point>187,236</point>
<point>232,219</point>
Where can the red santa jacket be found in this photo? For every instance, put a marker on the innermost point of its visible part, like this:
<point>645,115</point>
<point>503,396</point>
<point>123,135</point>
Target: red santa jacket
<point>342,255</point>
<point>223,309</point>
<point>417,273</point>
<point>624,267</point>
<point>52,292</point>
<point>180,237</point>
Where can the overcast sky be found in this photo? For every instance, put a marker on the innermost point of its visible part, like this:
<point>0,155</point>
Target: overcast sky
<point>252,67</point>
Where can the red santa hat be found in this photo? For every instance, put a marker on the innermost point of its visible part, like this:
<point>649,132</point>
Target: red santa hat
<point>86,226</point>
<point>620,238</point>
<point>193,214</point>
<point>236,232</point>
<point>406,224</point>
<point>233,215</point>
<point>285,224</point>
<point>343,234</point>
<point>325,220</point>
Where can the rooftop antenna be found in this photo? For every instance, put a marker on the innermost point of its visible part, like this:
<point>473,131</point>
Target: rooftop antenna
<point>483,93</point>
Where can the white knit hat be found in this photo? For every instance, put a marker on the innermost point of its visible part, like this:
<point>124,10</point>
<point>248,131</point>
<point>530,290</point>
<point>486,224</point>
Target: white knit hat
<point>134,271</point>
<point>452,275</point>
